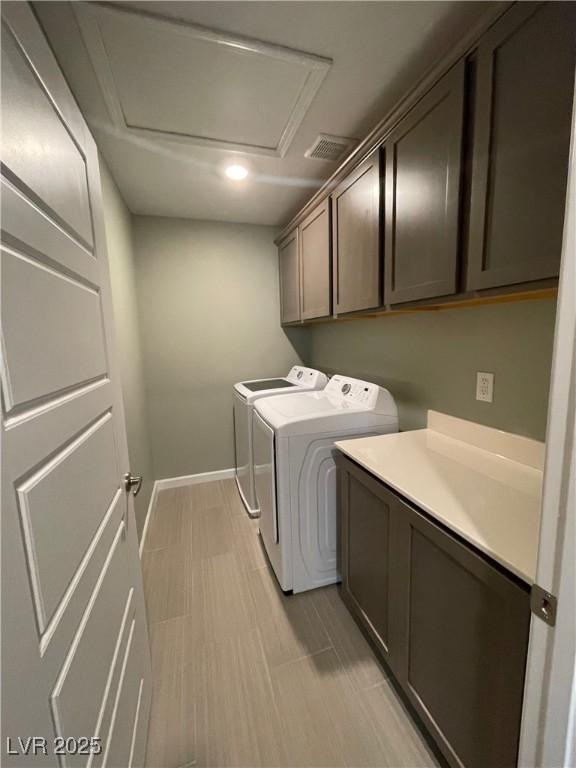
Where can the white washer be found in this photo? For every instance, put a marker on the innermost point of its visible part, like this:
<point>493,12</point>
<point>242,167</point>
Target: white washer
<point>245,395</point>
<point>295,472</point>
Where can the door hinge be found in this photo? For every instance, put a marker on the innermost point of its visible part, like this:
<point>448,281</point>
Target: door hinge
<point>543,604</point>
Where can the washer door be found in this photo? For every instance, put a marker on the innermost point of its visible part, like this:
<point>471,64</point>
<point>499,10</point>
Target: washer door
<point>243,451</point>
<point>265,477</point>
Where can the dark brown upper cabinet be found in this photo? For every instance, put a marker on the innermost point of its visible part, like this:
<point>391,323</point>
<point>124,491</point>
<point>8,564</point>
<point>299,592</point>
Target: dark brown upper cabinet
<point>464,193</point>
<point>356,214</point>
<point>289,269</point>
<point>315,284</point>
<point>521,137</point>
<point>423,171</point>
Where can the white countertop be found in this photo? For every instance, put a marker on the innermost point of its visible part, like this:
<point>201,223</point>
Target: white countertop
<point>489,495</point>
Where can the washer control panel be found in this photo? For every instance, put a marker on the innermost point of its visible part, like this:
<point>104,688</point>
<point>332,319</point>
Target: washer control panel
<point>353,391</point>
<point>307,377</point>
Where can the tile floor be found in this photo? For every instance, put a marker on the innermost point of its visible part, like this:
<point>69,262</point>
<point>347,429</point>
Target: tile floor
<point>245,676</point>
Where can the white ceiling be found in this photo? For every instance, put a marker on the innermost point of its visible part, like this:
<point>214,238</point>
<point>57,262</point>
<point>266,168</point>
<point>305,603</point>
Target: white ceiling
<point>172,105</point>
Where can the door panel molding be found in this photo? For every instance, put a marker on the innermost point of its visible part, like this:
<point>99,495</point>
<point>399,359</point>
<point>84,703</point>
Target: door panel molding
<point>31,171</point>
<point>35,232</point>
<point>63,433</point>
<point>36,362</point>
<point>85,576</point>
<point>135,727</point>
<point>44,564</point>
<point>63,699</point>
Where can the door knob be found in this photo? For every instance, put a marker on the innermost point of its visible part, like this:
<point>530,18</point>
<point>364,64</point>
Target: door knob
<point>132,483</point>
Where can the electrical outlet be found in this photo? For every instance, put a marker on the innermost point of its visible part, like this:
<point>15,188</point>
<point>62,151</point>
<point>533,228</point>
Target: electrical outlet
<point>485,386</point>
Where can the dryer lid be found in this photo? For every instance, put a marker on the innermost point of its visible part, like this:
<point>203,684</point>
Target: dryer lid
<point>299,378</point>
<point>257,386</point>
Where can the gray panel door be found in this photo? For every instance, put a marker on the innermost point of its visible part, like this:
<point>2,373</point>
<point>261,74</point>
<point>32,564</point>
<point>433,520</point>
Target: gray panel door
<point>315,284</point>
<point>289,271</point>
<point>423,180</point>
<point>75,655</point>
<point>524,88</point>
<point>356,227</point>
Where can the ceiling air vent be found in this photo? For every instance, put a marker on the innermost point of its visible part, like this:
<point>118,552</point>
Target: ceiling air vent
<point>328,147</point>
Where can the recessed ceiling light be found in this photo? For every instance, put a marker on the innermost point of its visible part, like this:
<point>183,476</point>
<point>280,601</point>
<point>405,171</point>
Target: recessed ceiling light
<point>236,172</point>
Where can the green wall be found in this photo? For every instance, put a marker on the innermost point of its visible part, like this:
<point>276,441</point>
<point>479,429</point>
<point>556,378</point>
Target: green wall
<point>209,316</point>
<point>429,360</point>
<point>118,224</point>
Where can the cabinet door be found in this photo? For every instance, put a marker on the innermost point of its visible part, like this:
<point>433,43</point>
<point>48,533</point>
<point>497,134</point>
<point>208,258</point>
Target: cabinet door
<point>523,104</point>
<point>289,269</point>
<point>367,555</point>
<point>464,653</point>
<point>356,214</point>
<point>423,180</point>
<point>315,262</point>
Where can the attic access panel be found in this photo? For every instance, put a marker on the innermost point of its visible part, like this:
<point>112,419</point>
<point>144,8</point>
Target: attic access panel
<point>173,80</point>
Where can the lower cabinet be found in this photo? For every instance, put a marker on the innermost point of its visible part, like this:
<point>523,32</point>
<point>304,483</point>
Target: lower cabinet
<point>367,547</point>
<point>452,627</point>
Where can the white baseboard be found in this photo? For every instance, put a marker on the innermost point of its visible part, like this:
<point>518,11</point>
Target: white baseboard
<point>151,505</point>
<point>176,482</point>
<point>203,477</point>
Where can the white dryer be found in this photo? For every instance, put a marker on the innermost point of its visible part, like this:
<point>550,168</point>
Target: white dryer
<point>245,395</point>
<point>295,472</point>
